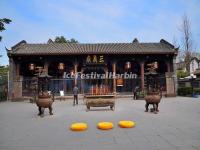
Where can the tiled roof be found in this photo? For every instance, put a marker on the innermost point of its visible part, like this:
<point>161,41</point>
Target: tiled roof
<point>52,48</point>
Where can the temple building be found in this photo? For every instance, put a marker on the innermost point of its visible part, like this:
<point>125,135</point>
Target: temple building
<point>62,59</point>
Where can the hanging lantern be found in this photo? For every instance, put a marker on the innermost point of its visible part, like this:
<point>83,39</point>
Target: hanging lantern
<point>31,66</point>
<point>61,66</point>
<point>120,82</point>
<point>72,72</point>
<point>128,65</point>
<point>156,65</point>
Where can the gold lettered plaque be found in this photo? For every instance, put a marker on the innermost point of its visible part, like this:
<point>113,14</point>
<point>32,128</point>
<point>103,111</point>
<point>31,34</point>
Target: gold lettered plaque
<point>95,59</point>
<point>88,59</point>
<point>101,59</point>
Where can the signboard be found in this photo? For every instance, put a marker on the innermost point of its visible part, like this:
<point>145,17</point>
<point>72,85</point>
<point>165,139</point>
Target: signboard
<point>95,59</point>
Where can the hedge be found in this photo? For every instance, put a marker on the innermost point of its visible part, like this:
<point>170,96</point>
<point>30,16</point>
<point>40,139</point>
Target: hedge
<point>197,91</point>
<point>3,96</point>
<point>187,91</point>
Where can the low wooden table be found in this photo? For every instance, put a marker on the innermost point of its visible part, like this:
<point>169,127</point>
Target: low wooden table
<point>99,101</point>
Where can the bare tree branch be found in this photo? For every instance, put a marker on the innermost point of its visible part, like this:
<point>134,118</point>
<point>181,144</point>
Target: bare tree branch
<point>187,42</point>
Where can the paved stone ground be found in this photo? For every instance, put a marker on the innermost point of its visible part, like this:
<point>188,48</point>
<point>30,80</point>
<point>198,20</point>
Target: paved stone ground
<point>175,127</point>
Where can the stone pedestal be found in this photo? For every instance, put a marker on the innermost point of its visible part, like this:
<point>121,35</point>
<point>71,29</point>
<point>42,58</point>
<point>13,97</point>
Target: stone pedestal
<point>170,84</point>
<point>17,88</point>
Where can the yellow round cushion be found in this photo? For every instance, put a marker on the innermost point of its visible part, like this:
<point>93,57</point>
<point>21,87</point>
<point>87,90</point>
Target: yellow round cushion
<point>105,125</point>
<point>126,124</point>
<point>78,126</point>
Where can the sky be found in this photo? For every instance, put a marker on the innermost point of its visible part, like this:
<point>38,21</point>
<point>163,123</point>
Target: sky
<point>97,21</point>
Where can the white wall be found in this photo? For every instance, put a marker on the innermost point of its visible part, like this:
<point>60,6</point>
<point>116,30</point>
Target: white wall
<point>193,65</point>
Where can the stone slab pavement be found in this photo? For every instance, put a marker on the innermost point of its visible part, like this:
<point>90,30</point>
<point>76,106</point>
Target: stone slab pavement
<point>175,127</point>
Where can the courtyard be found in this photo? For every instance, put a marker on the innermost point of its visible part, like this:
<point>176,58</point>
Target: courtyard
<point>175,127</point>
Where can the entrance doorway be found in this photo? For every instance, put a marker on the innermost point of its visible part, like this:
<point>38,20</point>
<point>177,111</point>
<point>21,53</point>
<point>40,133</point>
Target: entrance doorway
<point>95,81</point>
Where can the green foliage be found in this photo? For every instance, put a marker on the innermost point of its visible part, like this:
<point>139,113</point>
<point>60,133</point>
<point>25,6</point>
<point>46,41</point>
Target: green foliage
<point>62,39</point>
<point>141,94</point>
<point>73,41</point>
<point>185,91</point>
<point>2,25</point>
<point>4,70</point>
<point>182,74</point>
<point>3,96</point>
<point>197,91</point>
<point>3,82</point>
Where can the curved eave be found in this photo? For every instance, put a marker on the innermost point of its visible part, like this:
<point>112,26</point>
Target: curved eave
<point>9,52</point>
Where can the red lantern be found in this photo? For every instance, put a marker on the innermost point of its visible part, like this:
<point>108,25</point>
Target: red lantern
<point>128,65</point>
<point>120,82</point>
<point>31,66</point>
<point>61,66</point>
<point>72,72</point>
<point>156,64</point>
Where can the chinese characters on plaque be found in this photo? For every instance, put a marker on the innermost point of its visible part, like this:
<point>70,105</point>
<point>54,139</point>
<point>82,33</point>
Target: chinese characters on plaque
<point>95,59</point>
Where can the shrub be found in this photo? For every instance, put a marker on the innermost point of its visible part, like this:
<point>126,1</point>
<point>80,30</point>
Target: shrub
<point>197,91</point>
<point>141,94</point>
<point>3,96</point>
<point>185,91</point>
<point>182,74</point>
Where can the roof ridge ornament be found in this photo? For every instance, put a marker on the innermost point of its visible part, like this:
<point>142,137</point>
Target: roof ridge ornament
<point>167,43</point>
<point>135,40</point>
<point>19,44</point>
<point>50,41</point>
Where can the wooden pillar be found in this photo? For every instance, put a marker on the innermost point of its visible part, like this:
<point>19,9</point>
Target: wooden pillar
<point>168,66</point>
<point>114,77</point>
<point>82,82</point>
<point>106,80</point>
<point>142,74</point>
<point>75,73</point>
<point>46,67</point>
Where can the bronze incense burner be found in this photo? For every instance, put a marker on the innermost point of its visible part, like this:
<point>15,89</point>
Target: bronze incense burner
<point>44,98</point>
<point>154,92</point>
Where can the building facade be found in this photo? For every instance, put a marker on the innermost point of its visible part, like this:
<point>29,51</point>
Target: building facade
<point>62,59</point>
<point>193,65</point>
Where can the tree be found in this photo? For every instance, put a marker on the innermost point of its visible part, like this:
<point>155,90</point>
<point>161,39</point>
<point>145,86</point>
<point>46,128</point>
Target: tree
<point>73,41</point>
<point>187,41</point>
<point>3,82</point>
<point>62,39</point>
<point>4,70</point>
<point>180,53</point>
<point>2,25</point>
